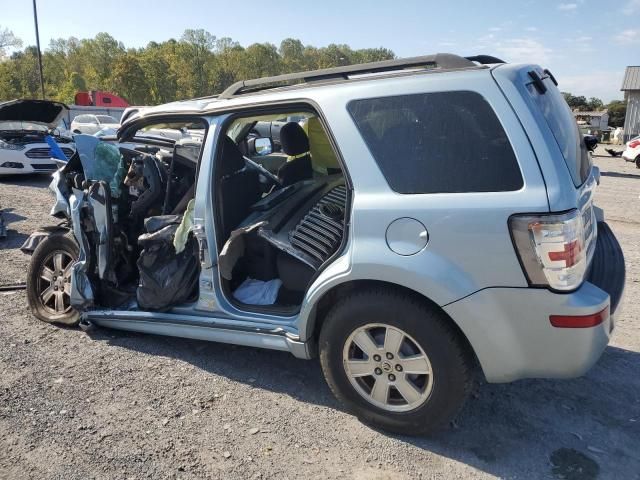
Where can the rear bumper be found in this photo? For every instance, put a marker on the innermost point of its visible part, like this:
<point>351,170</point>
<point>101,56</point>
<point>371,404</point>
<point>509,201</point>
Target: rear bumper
<point>629,156</point>
<point>511,333</point>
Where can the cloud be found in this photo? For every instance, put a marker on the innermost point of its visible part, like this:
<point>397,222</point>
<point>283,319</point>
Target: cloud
<point>516,50</point>
<point>632,6</point>
<point>602,84</point>
<point>567,7</point>
<point>627,37</point>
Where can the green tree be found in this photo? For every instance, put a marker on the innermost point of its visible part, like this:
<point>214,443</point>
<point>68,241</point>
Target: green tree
<point>128,79</point>
<point>617,111</point>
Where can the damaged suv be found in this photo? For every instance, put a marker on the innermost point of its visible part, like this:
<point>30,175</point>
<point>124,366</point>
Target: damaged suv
<point>422,217</point>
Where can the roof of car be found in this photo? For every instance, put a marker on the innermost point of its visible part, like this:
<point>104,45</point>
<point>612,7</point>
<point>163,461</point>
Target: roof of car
<point>245,89</point>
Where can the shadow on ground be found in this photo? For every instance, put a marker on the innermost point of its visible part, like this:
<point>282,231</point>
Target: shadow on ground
<point>33,180</point>
<point>578,429</point>
<point>619,175</point>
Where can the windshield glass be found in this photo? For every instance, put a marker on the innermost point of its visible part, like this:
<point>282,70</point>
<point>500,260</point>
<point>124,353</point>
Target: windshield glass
<point>13,125</point>
<point>564,128</point>
<point>106,119</point>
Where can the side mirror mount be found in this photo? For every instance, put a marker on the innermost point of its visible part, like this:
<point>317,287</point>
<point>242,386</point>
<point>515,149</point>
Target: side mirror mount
<point>260,146</point>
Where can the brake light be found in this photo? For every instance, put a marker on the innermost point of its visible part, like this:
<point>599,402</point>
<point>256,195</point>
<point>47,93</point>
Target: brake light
<point>634,144</point>
<point>555,250</point>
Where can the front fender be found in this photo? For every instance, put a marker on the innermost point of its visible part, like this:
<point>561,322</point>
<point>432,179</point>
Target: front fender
<point>39,235</point>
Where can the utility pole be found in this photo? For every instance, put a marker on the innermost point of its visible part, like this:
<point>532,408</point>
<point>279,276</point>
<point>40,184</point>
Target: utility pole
<point>35,20</point>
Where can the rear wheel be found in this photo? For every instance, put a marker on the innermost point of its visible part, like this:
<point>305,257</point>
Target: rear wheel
<point>49,280</point>
<point>395,362</point>
<point>638,161</point>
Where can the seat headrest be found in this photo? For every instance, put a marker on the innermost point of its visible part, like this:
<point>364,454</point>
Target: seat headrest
<point>293,138</point>
<point>230,158</point>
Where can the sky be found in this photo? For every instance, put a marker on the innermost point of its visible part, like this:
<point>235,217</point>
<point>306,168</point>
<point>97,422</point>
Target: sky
<point>585,43</point>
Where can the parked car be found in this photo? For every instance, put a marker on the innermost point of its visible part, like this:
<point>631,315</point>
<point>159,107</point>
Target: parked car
<point>91,124</point>
<point>632,151</point>
<point>24,124</point>
<point>447,223</point>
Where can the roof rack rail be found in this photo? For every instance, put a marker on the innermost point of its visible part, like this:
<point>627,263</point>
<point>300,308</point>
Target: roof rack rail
<point>438,60</point>
<point>485,59</point>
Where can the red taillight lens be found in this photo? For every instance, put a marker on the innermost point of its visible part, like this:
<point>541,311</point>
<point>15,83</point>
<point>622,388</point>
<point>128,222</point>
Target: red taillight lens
<point>570,254</point>
<point>579,321</point>
<point>634,144</point>
<point>555,249</point>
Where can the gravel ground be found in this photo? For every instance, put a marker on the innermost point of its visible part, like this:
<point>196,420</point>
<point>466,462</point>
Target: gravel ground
<point>113,404</point>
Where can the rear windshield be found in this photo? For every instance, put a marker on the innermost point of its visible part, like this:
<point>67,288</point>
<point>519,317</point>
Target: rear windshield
<point>565,130</point>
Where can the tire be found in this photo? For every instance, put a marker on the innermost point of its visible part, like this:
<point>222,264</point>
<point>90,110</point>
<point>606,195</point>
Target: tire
<point>638,161</point>
<point>56,308</point>
<point>426,331</point>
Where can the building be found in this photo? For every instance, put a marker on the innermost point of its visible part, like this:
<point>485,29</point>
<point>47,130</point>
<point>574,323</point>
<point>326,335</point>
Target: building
<point>631,89</point>
<point>596,121</point>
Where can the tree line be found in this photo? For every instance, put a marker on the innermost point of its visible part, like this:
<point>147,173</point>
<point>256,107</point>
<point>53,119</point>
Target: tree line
<point>198,64</point>
<point>616,108</point>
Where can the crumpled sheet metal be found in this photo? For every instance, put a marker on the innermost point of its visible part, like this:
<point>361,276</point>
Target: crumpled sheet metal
<point>99,200</point>
<point>81,295</point>
<point>59,188</point>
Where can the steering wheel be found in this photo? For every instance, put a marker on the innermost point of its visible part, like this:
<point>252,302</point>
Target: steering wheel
<point>263,171</point>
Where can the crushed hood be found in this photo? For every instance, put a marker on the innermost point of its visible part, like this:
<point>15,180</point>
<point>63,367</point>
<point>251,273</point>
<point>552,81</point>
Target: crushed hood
<point>37,111</point>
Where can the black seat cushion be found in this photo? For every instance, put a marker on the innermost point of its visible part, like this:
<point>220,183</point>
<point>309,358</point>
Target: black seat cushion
<point>295,142</point>
<point>239,187</point>
<point>296,170</point>
<point>293,139</point>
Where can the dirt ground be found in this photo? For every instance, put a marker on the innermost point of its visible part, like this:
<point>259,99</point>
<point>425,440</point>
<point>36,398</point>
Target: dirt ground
<point>113,404</point>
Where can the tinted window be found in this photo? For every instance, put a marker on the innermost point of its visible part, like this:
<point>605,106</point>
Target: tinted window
<point>438,142</point>
<point>83,119</point>
<point>565,130</point>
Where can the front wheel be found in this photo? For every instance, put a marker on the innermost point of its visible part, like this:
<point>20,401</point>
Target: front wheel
<point>49,280</point>
<point>395,362</point>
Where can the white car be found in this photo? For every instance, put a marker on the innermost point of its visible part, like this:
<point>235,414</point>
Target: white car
<point>632,152</point>
<point>91,124</point>
<point>24,124</point>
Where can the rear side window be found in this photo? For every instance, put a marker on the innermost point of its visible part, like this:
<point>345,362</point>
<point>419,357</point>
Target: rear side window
<point>441,142</point>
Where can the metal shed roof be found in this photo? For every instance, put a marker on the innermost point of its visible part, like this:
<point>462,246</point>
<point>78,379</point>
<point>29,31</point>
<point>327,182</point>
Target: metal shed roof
<point>631,78</point>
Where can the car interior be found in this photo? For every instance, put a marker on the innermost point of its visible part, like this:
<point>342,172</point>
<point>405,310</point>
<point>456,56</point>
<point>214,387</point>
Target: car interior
<point>280,214</point>
<point>280,211</point>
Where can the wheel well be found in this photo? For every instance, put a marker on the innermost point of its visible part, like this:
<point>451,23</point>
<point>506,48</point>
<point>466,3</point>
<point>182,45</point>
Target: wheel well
<point>339,291</point>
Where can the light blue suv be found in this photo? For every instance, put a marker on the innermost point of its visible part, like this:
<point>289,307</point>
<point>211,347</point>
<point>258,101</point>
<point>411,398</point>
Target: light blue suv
<point>425,217</point>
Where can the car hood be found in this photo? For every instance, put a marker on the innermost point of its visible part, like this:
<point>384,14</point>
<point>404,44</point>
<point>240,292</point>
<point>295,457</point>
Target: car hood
<point>36,111</point>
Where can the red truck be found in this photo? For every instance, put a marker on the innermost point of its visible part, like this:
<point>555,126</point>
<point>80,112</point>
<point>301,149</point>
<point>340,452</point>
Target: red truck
<point>98,98</point>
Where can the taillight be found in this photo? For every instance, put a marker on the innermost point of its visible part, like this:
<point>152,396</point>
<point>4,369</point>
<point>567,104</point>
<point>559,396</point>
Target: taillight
<point>634,144</point>
<point>555,250</point>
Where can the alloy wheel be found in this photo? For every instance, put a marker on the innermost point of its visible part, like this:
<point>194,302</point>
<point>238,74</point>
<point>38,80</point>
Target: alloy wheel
<point>387,367</point>
<point>54,283</point>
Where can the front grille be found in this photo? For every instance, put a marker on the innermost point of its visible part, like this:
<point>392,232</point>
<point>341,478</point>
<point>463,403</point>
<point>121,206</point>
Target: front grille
<point>50,167</point>
<point>45,152</point>
<point>320,232</point>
